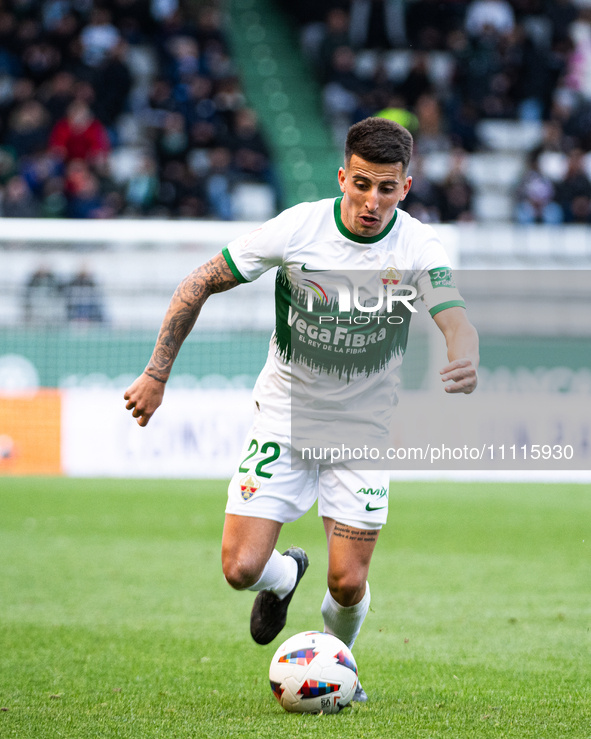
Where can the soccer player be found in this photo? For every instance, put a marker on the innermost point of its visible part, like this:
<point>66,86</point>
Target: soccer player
<point>360,231</point>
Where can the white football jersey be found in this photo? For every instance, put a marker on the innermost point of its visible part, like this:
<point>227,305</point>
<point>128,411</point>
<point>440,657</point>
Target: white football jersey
<point>337,344</point>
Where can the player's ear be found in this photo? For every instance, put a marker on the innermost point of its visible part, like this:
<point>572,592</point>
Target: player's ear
<point>407,184</point>
<point>342,176</point>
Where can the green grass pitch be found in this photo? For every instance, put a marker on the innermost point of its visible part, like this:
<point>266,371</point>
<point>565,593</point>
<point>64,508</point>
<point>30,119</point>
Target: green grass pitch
<point>115,620</point>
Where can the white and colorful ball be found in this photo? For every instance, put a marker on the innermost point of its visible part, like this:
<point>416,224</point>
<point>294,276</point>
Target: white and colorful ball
<point>313,672</point>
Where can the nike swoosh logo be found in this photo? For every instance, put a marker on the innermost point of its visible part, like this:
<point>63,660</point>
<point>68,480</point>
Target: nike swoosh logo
<point>313,270</point>
<point>379,508</point>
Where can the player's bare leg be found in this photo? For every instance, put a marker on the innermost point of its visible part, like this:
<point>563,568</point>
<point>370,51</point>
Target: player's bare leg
<point>346,602</point>
<point>247,546</point>
<point>250,561</point>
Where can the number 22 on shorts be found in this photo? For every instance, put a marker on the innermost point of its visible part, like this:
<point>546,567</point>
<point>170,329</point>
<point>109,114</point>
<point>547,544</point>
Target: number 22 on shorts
<point>253,448</point>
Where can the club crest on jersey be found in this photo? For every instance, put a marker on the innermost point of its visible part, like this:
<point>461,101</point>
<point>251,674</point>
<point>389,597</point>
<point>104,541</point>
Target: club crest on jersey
<point>390,276</point>
<point>248,486</point>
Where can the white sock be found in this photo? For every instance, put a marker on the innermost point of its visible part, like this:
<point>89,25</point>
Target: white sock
<point>345,622</point>
<point>279,576</point>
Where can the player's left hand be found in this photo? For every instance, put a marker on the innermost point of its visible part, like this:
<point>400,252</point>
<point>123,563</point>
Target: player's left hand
<point>462,374</point>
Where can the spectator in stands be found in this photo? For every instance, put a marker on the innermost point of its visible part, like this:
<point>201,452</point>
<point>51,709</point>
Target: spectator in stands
<point>28,127</point>
<point>112,85</point>
<point>83,299</point>
<point>63,34</point>
<point>396,110</point>
<point>41,61</point>
<point>22,91</point>
<point>79,135</point>
<point>456,191</point>
<point>160,102</point>
<point>199,104</point>
<point>430,137</point>
<point>579,62</point>
<point>377,24</point>
<point>182,191</point>
<point>484,16</point>
<point>342,70</point>
<point>476,63</point>
<point>417,82</point>
<point>422,201</point>
<point>185,59</point>
<point>37,169</point>
<point>553,138</point>
<point>561,14</point>
<point>8,54</point>
<point>209,30</point>
<point>538,72</point>
<point>341,93</point>
<point>251,153</point>
<point>335,34</point>
<point>204,135</point>
<point>163,10</point>
<point>142,188</point>
<point>85,199</point>
<point>428,23</point>
<point>57,94</point>
<point>228,98</point>
<point>62,59</point>
<point>54,203</point>
<point>536,197</point>
<point>43,299</point>
<point>574,192</point>
<point>98,38</point>
<point>171,26</point>
<point>173,140</point>
<point>132,19</point>
<point>463,120</point>
<point>7,165</point>
<point>18,200</point>
<point>576,120</point>
<point>28,32</point>
<point>219,183</point>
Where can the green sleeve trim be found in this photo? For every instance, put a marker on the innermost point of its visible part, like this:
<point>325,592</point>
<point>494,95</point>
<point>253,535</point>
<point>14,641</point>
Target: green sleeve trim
<point>444,306</point>
<point>232,266</point>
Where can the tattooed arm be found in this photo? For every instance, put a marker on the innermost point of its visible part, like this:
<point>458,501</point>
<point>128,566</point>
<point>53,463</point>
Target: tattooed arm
<point>145,394</point>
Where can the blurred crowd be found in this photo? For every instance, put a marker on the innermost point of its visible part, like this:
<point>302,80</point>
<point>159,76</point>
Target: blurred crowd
<point>440,67</point>
<point>134,107</point>
<point>122,108</point>
<point>51,300</point>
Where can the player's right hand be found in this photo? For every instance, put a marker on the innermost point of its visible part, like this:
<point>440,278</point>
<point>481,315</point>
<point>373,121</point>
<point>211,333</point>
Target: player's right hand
<point>143,397</point>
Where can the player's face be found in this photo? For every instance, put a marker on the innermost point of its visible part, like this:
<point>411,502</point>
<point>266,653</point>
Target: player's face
<point>371,193</point>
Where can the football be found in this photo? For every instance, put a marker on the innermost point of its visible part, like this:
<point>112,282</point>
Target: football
<point>313,672</point>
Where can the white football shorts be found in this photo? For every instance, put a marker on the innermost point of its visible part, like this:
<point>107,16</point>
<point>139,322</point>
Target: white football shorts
<point>265,486</point>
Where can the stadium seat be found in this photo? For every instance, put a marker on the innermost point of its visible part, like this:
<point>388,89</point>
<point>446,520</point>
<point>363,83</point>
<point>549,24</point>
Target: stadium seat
<point>553,164</point>
<point>441,68</point>
<point>493,206</point>
<point>125,162</point>
<point>397,64</point>
<point>435,165</point>
<point>366,64</point>
<point>129,130</point>
<point>253,202</point>
<point>496,170</point>
<point>142,62</point>
<point>507,135</point>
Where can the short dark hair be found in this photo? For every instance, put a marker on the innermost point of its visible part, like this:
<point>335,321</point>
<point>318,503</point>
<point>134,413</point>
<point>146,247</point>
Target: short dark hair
<point>379,141</point>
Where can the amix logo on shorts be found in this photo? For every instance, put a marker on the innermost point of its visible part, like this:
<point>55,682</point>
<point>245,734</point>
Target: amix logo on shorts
<point>377,494</point>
